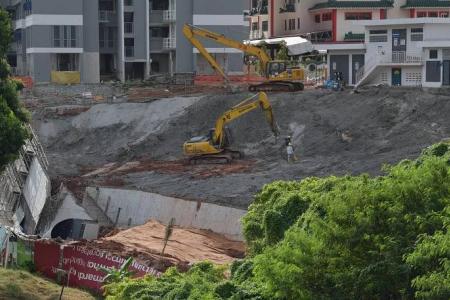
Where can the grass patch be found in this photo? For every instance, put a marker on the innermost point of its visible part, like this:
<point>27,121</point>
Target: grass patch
<point>21,285</point>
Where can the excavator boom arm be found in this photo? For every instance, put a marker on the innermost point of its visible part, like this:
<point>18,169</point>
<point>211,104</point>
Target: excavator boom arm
<point>190,32</point>
<point>241,109</point>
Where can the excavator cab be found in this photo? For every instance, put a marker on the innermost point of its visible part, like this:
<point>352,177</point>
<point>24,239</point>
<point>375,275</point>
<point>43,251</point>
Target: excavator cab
<point>275,68</point>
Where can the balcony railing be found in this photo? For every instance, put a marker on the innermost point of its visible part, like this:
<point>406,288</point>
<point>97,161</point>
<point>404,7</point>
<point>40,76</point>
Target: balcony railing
<point>354,37</point>
<point>128,27</point>
<point>256,35</point>
<point>106,16</point>
<point>129,51</point>
<point>259,11</point>
<point>169,16</point>
<point>169,43</point>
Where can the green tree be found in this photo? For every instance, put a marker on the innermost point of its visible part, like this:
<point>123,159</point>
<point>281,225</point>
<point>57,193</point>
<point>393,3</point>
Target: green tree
<point>366,238</point>
<point>283,52</point>
<point>13,116</point>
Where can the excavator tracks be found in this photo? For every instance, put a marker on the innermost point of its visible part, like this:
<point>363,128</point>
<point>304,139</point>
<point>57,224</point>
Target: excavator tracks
<point>225,157</point>
<point>277,86</point>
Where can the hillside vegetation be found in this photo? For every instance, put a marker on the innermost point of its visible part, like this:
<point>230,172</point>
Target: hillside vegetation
<point>349,237</point>
<point>21,285</point>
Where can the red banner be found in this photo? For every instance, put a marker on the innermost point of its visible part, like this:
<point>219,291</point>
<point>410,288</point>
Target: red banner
<point>82,264</point>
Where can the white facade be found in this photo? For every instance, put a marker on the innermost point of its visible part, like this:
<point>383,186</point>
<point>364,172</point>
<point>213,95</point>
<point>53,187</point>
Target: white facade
<point>420,57</point>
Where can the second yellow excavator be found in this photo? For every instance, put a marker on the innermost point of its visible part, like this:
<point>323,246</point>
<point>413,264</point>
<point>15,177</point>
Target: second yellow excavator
<point>215,146</point>
<point>278,76</point>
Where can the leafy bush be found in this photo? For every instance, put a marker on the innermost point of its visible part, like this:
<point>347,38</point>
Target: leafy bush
<point>12,114</point>
<point>365,238</point>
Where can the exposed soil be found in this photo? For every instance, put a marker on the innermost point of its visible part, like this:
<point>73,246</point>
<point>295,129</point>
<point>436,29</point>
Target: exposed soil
<point>185,246</point>
<point>139,145</point>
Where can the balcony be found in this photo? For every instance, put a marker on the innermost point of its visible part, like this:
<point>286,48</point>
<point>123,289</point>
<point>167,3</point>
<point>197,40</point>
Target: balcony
<point>169,16</point>
<point>106,16</point>
<point>264,10</point>
<point>169,43</point>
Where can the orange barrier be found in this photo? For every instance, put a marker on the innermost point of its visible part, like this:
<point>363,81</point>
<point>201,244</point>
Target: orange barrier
<point>233,78</point>
<point>27,81</point>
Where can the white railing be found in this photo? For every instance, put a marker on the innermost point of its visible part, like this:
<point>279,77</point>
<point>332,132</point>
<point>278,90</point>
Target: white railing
<point>398,57</point>
<point>169,16</point>
<point>105,16</point>
<point>169,43</point>
<point>256,35</point>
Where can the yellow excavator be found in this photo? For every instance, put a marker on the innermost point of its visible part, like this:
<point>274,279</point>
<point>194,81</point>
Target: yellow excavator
<point>278,76</point>
<point>214,147</point>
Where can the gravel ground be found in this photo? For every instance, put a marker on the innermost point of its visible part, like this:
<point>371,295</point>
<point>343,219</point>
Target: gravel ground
<point>333,133</point>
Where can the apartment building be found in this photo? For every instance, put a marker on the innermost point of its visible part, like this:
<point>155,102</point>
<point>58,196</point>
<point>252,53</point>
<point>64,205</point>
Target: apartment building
<point>46,42</point>
<point>87,41</point>
<point>356,35</point>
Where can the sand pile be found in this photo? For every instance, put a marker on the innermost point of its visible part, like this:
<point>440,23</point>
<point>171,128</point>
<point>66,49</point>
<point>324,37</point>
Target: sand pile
<point>185,246</point>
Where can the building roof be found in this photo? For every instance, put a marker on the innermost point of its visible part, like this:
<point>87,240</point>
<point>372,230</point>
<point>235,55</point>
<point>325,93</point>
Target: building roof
<point>426,3</point>
<point>354,4</point>
<point>295,44</point>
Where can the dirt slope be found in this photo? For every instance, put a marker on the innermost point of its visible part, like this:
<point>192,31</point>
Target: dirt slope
<point>334,133</point>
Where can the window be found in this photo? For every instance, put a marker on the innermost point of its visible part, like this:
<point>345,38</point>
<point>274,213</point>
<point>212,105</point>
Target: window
<point>56,37</point>
<point>67,62</point>
<point>433,54</point>
<point>298,23</point>
<point>326,17</point>
<point>128,2</point>
<point>129,47</point>
<point>421,14</point>
<point>358,16</point>
<point>65,36</point>
<point>432,14</point>
<point>128,19</point>
<point>378,36</point>
<point>265,25</point>
<point>291,24</point>
<point>255,26</point>
<point>443,14</point>
<point>317,18</point>
<point>73,37</point>
<point>416,34</point>
<point>285,25</point>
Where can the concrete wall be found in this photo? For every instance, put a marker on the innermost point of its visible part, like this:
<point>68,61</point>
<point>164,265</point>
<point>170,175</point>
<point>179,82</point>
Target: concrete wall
<point>36,189</point>
<point>138,207</point>
<point>345,26</point>
<point>69,209</point>
<point>57,7</point>
<point>184,53</point>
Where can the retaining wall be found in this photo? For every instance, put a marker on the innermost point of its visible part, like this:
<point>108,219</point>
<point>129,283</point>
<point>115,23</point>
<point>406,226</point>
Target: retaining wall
<point>131,208</point>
